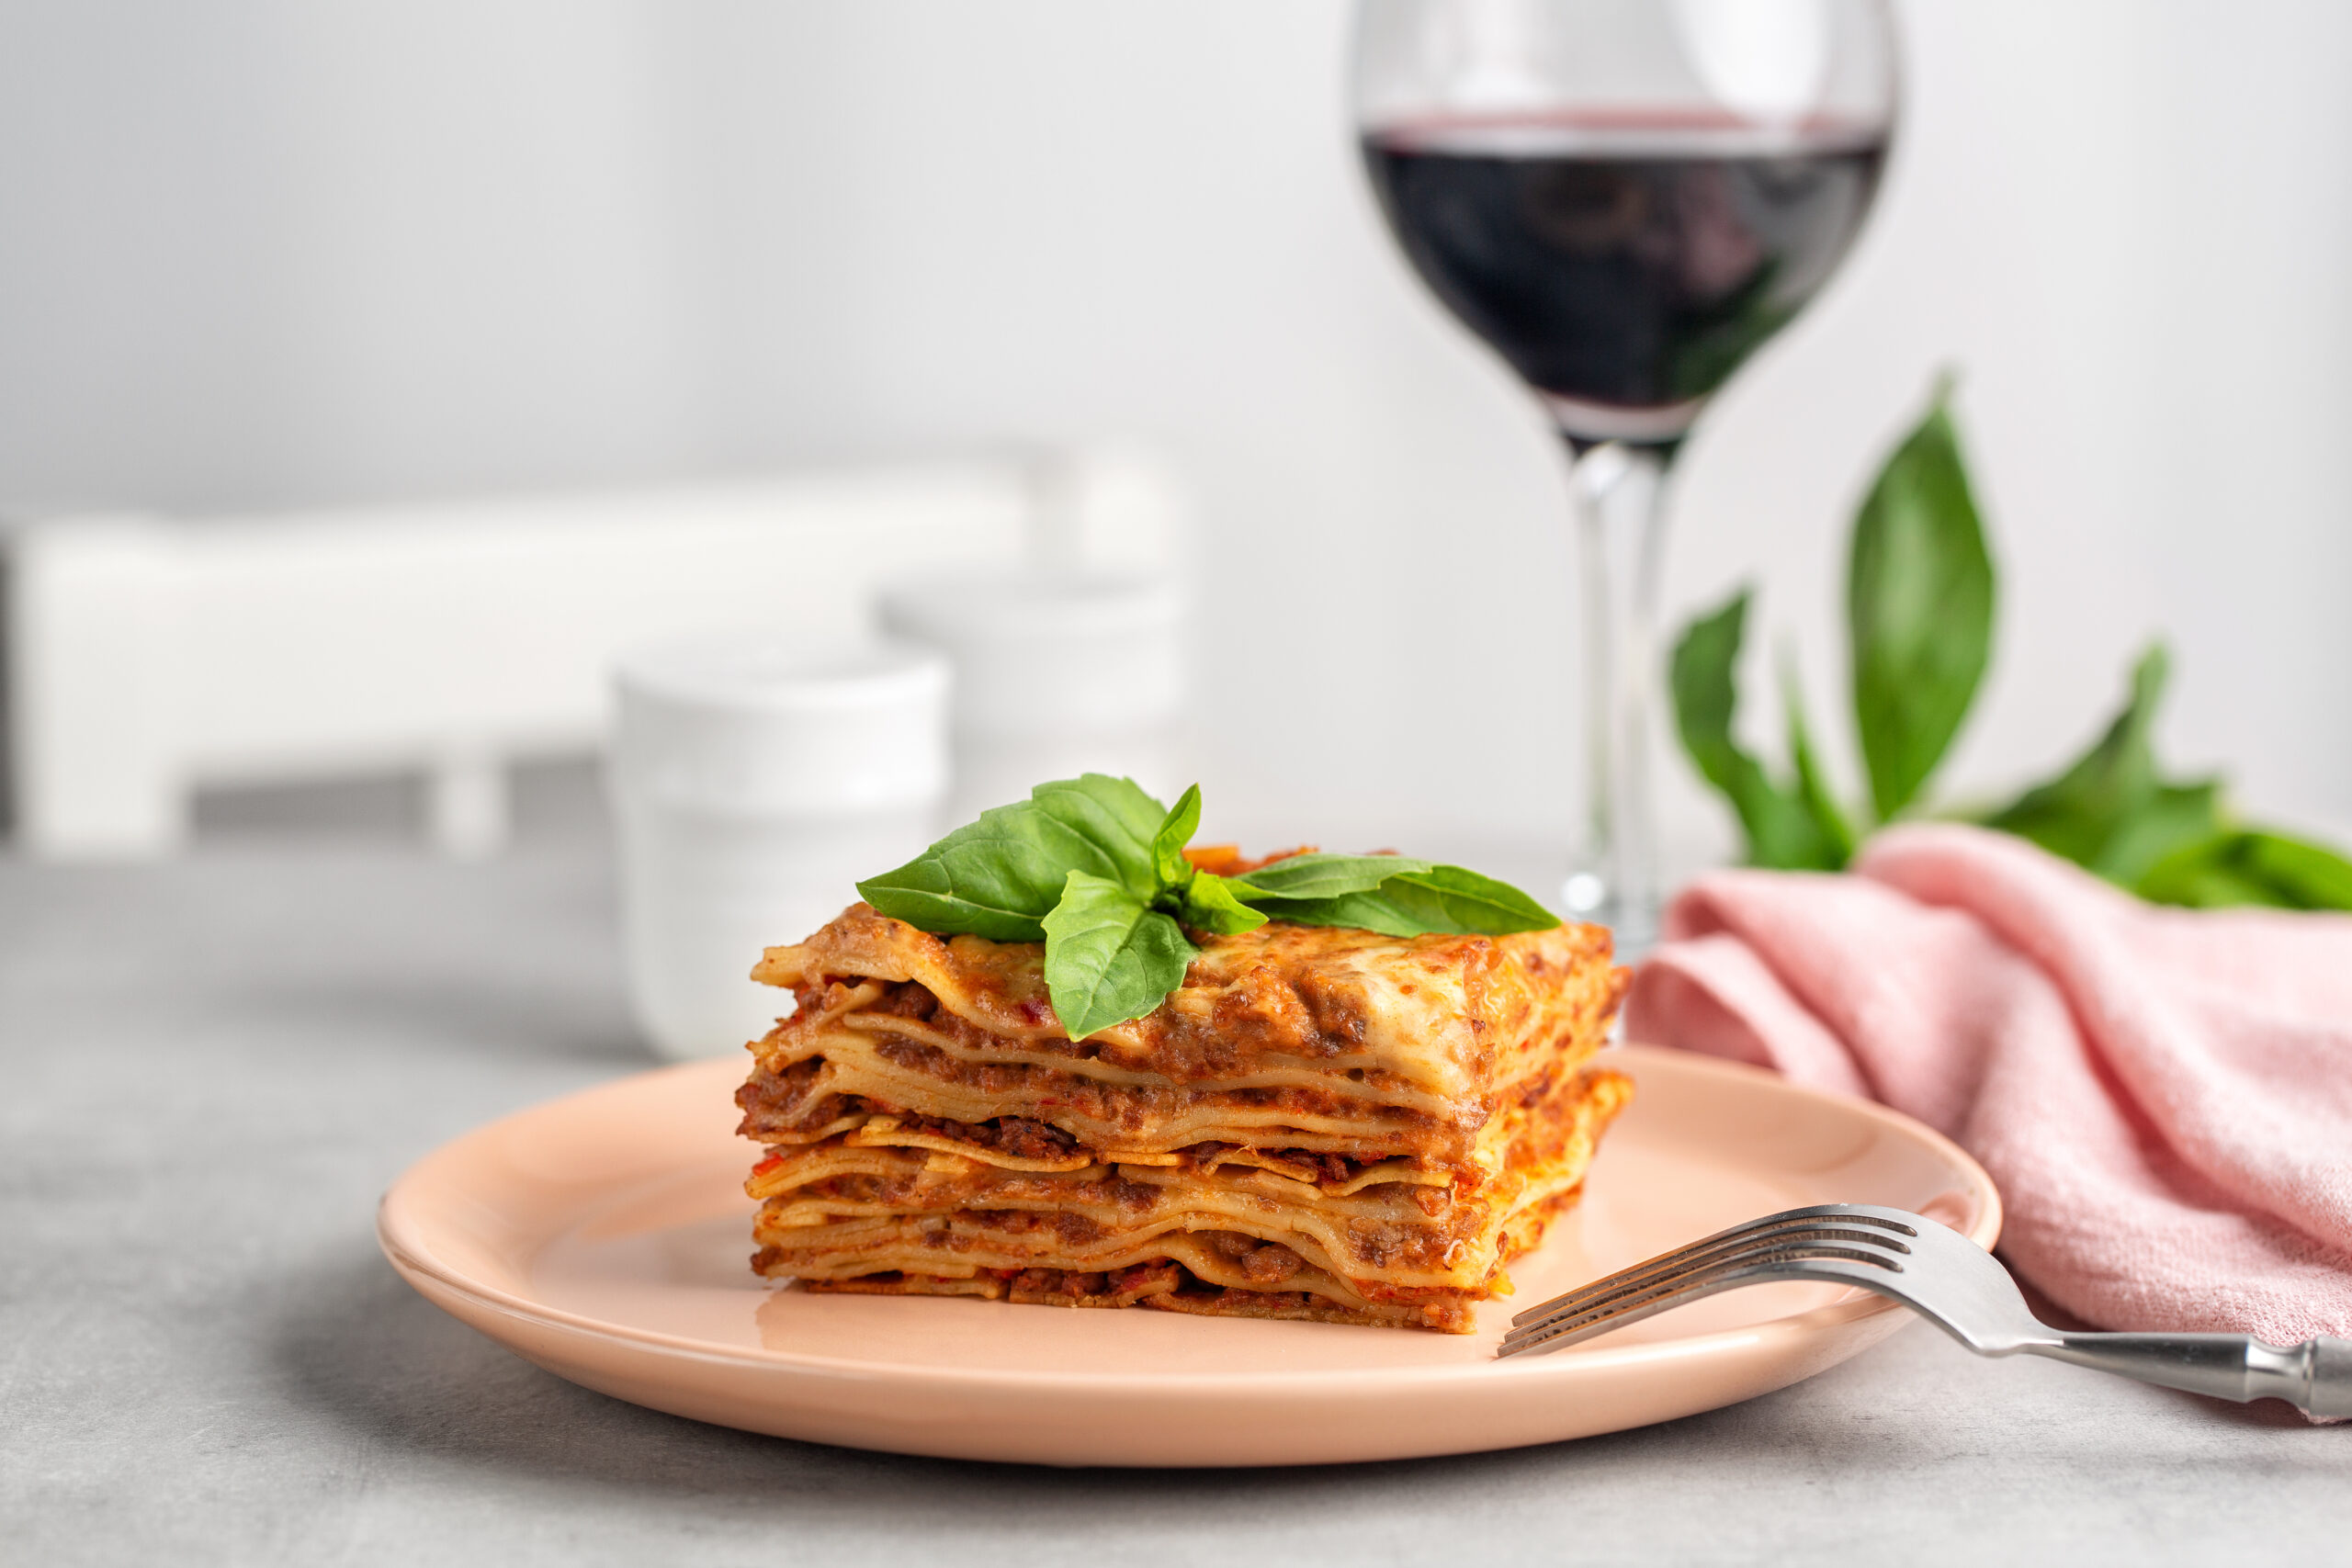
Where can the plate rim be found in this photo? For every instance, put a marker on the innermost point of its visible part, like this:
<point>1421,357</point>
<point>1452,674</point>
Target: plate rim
<point>413,1261</point>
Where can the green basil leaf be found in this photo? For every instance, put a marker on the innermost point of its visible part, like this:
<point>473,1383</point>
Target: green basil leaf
<point>1919,609</point>
<point>1169,865</point>
<point>1365,911</point>
<point>1109,957</point>
<point>1444,898</point>
<point>2305,875</point>
<point>1115,820</point>
<point>998,876</point>
<point>1781,831</point>
<point>1467,901</point>
<point>1813,791</point>
<point>2251,866</point>
<point>2078,814</point>
<point>2171,817</point>
<point>1208,905</point>
<point>1322,875</point>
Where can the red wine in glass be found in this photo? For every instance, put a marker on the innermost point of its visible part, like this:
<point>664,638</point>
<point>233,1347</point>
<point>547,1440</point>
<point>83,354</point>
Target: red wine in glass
<point>1624,199</point>
<point>1624,270</point>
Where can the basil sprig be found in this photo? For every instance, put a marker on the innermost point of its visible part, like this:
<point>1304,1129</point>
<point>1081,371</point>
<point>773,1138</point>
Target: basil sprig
<point>1919,598</point>
<point>1427,898</point>
<point>1095,869</point>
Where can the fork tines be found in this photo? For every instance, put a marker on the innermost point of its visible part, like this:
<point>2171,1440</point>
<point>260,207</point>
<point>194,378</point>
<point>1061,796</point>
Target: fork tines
<point>1842,1233</point>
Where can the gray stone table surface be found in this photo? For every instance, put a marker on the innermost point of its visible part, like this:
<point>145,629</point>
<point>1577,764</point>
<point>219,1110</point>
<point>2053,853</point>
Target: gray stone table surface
<point>209,1069</point>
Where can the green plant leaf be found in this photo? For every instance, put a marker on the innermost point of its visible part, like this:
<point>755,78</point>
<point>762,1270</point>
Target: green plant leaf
<point>1444,898</point>
<point>1094,868</point>
<point>1183,819</point>
<point>997,877</point>
<point>1813,790</point>
<point>1114,818</point>
<point>2171,818</point>
<point>1365,911</point>
<point>2250,866</point>
<point>1322,875</point>
<point>1780,829</point>
<point>1207,904</point>
<point>1455,898</point>
<point>1109,957</point>
<point>2080,813</point>
<point>1919,609</point>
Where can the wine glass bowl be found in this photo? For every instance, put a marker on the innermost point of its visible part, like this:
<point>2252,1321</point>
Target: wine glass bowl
<point>1625,285</point>
<point>1625,199</point>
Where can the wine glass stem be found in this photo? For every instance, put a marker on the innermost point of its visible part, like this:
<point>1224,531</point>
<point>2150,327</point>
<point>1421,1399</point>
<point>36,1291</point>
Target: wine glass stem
<point>1618,492</point>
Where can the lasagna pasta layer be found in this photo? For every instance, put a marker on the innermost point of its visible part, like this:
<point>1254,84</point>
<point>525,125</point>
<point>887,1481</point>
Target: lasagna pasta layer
<point>840,1210</point>
<point>1320,1122</point>
<point>1332,1040</point>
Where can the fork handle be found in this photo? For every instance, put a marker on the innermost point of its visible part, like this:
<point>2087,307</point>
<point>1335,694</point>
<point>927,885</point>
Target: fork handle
<point>2314,1376</point>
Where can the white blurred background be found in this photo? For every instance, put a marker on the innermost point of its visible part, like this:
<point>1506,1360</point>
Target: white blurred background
<point>261,255</point>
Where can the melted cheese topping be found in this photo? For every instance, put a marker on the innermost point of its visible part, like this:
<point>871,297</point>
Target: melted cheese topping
<point>1446,1015</point>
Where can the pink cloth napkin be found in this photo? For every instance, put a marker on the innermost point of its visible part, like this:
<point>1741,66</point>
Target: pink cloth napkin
<point>2164,1097</point>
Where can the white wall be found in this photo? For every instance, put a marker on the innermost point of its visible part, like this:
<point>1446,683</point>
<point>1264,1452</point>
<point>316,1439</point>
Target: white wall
<point>255,255</point>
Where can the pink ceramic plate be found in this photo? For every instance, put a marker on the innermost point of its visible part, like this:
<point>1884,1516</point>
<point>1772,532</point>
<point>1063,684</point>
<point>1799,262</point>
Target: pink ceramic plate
<point>605,1237</point>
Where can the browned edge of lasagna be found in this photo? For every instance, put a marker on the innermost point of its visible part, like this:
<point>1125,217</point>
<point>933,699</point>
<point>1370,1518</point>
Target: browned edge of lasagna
<point>1320,1123</point>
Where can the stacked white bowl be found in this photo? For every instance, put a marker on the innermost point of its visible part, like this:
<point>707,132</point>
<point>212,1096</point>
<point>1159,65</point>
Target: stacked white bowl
<point>754,782</point>
<point>1057,673</point>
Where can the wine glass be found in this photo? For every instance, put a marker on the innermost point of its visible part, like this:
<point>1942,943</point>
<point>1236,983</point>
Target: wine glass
<point>1624,199</point>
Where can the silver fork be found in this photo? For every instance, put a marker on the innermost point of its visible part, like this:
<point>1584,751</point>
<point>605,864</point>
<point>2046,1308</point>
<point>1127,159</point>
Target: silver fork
<point>1952,1282</point>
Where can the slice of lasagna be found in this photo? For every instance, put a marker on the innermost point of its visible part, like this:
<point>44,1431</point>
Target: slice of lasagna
<point>1320,1123</point>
